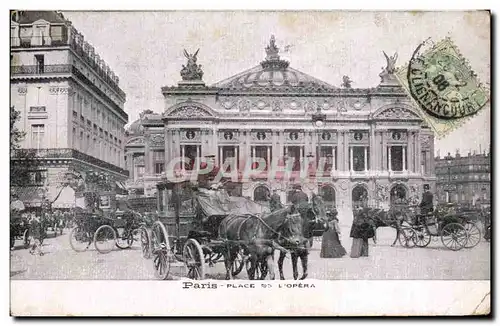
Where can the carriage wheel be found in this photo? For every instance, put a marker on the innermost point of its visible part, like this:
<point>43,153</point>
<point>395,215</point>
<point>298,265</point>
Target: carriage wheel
<point>26,238</point>
<point>422,237</point>
<point>124,238</point>
<point>454,236</point>
<point>194,259</point>
<point>104,239</point>
<point>79,239</point>
<point>407,238</point>
<point>159,237</point>
<point>160,249</point>
<point>145,242</point>
<point>161,263</point>
<point>238,263</point>
<point>473,235</point>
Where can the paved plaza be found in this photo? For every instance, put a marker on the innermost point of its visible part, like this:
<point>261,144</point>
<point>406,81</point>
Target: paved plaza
<point>435,262</point>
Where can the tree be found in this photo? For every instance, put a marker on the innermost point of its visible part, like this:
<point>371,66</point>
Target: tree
<point>16,135</point>
<point>22,161</point>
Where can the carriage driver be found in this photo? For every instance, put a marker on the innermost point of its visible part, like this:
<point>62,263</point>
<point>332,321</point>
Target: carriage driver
<point>427,203</point>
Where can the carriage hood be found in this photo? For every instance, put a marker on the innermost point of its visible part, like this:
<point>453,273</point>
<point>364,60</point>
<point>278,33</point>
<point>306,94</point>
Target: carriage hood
<point>219,203</point>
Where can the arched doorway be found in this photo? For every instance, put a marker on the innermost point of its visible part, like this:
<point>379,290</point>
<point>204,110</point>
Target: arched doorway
<point>359,196</point>
<point>398,194</point>
<point>328,194</point>
<point>261,194</point>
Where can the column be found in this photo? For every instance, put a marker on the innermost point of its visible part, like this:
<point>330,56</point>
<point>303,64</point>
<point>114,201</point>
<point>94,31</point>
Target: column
<point>390,162</point>
<point>301,150</point>
<point>346,150</point>
<point>366,158</point>
<point>221,157</point>
<point>248,147</point>
<point>214,142</point>
<point>130,164</point>
<point>409,150</point>
<point>341,154</point>
<point>404,158</point>
<point>334,155</point>
<point>273,144</point>
<point>198,148</point>
<point>314,145</point>
<point>253,154</point>
<point>418,153</point>
<point>236,156</point>
<point>268,160</point>
<point>281,143</point>
<point>351,168</point>
<point>182,156</point>
<point>373,151</point>
<point>147,156</point>
<point>384,151</point>
<point>167,147</point>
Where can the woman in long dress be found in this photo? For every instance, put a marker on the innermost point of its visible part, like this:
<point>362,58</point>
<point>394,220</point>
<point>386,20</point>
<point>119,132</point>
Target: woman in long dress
<point>330,244</point>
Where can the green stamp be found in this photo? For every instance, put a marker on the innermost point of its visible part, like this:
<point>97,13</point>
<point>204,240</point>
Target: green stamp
<point>443,85</point>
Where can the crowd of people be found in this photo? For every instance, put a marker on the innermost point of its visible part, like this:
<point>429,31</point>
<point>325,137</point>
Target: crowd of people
<point>36,222</point>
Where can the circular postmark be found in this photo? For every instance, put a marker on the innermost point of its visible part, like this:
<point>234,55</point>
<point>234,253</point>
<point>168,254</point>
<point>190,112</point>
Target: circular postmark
<point>443,85</point>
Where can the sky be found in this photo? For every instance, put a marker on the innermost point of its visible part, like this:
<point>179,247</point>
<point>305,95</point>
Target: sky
<point>145,49</point>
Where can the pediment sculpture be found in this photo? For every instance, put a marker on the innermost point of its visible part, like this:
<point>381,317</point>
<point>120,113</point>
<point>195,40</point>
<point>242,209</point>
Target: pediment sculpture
<point>189,112</point>
<point>397,113</point>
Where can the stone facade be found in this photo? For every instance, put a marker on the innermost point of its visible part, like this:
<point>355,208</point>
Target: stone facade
<point>70,104</point>
<point>463,179</point>
<point>374,140</point>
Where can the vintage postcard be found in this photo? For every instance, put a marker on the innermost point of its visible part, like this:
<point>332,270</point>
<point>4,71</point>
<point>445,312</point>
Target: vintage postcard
<point>250,163</point>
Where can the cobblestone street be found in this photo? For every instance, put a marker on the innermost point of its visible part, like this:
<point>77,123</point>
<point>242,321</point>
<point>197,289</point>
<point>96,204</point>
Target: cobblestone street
<point>435,262</point>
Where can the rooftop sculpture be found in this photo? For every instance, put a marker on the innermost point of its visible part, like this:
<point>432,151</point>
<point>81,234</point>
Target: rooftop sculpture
<point>191,71</point>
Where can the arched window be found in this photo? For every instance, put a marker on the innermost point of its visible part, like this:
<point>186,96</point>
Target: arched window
<point>359,196</point>
<point>398,194</point>
<point>261,194</point>
<point>328,195</point>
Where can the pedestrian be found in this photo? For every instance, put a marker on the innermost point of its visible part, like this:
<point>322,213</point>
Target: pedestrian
<point>361,231</point>
<point>35,227</point>
<point>331,247</point>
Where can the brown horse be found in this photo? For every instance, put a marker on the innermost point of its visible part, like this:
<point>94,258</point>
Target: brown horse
<point>313,220</point>
<point>379,218</point>
<point>259,237</point>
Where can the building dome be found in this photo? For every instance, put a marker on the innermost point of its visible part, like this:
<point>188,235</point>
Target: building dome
<point>273,74</point>
<point>136,128</point>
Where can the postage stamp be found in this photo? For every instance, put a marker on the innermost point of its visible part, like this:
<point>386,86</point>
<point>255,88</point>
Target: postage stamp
<point>443,85</point>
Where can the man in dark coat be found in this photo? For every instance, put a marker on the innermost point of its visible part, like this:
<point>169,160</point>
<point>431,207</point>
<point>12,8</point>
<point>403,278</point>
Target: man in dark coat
<point>427,203</point>
<point>275,201</point>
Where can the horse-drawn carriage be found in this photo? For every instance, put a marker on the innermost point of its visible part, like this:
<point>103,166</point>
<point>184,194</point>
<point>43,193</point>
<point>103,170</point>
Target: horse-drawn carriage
<point>106,221</point>
<point>19,229</point>
<point>199,227</point>
<point>456,228</point>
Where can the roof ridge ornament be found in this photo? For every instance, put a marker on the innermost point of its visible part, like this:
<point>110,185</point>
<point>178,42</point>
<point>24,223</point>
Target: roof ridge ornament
<point>272,50</point>
<point>273,61</point>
